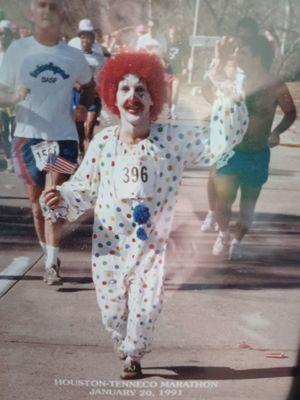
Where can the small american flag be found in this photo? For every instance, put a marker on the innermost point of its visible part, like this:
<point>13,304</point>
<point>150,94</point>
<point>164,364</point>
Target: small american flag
<point>58,164</point>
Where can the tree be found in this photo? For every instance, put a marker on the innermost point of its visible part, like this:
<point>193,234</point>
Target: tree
<point>216,18</point>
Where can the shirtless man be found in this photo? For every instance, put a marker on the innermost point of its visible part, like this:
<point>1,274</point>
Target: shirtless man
<point>247,170</point>
<point>245,27</point>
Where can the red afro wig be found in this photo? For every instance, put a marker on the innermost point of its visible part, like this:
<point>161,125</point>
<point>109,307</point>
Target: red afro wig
<point>147,66</point>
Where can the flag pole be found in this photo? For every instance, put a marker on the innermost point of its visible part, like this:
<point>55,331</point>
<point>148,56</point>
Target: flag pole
<point>52,180</point>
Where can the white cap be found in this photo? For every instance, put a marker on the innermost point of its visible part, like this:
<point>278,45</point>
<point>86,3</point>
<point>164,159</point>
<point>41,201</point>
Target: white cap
<point>85,25</point>
<point>5,24</point>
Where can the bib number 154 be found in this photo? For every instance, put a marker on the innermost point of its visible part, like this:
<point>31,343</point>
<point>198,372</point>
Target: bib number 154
<point>134,174</point>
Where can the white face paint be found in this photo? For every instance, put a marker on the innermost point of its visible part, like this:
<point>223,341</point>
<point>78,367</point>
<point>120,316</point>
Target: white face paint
<point>133,100</point>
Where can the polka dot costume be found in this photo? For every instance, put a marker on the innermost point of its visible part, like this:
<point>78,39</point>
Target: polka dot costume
<point>229,118</point>
<point>128,272</point>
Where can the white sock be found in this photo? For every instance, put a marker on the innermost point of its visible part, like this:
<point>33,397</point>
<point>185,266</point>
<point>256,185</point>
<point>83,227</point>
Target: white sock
<point>173,107</point>
<point>211,213</point>
<point>235,241</point>
<point>52,255</point>
<point>44,248</point>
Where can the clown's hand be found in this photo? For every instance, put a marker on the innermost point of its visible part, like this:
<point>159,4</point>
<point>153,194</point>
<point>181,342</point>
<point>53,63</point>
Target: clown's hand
<point>225,48</point>
<point>223,66</point>
<point>51,198</point>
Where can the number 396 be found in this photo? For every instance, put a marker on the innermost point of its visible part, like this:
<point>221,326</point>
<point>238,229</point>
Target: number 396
<point>133,174</point>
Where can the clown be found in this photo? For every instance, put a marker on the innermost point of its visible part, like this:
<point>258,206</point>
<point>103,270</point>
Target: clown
<point>131,176</point>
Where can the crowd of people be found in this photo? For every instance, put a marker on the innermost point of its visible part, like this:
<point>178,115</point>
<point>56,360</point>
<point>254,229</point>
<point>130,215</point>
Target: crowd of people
<point>130,173</point>
<point>97,49</point>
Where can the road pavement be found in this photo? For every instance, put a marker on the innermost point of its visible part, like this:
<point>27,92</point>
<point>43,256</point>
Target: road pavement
<point>228,330</point>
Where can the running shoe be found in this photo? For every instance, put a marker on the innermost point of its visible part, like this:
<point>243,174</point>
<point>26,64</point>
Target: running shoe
<point>131,369</point>
<point>221,244</point>
<point>235,250</point>
<point>209,224</point>
<point>10,166</point>
<point>51,275</point>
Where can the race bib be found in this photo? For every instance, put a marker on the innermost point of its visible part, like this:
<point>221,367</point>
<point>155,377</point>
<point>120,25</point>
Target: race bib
<point>41,152</point>
<point>134,177</point>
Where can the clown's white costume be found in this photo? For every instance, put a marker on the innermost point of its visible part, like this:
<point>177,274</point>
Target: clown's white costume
<point>128,245</point>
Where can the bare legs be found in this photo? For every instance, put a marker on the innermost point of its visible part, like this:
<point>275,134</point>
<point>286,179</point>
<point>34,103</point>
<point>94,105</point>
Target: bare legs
<point>175,90</point>
<point>209,223</point>
<point>173,94</point>
<point>211,190</point>
<point>226,189</point>
<point>86,130</point>
<point>49,233</point>
<point>249,196</point>
<point>34,193</point>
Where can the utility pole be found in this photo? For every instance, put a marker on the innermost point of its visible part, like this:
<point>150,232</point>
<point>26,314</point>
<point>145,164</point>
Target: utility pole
<point>287,20</point>
<point>191,60</point>
<point>149,10</point>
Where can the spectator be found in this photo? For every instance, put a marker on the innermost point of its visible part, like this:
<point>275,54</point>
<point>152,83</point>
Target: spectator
<point>152,42</point>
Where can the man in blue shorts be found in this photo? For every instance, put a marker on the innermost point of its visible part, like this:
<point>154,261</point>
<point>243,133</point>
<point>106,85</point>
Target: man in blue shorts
<point>38,74</point>
<point>248,168</point>
<point>96,62</point>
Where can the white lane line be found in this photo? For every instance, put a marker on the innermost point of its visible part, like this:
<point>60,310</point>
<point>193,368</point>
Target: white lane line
<point>13,271</point>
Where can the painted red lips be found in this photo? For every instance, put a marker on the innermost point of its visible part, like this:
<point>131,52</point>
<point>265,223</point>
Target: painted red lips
<point>134,106</point>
